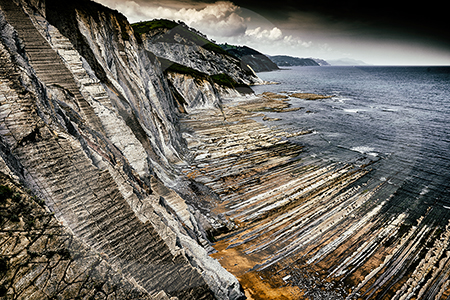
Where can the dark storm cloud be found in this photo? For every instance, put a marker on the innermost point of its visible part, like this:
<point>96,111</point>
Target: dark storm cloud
<point>221,17</point>
<point>427,20</point>
<point>378,32</point>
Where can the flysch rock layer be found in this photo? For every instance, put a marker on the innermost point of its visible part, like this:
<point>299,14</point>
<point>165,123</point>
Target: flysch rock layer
<point>301,228</point>
<point>41,259</point>
<point>89,124</point>
<point>124,202</point>
<point>199,93</point>
<point>201,59</point>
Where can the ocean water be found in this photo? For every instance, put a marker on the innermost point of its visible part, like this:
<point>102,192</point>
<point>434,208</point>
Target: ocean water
<point>395,118</point>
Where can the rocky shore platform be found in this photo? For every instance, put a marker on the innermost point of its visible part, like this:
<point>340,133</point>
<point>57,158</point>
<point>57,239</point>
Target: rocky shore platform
<point>303,229</point>
<point>273,202</point>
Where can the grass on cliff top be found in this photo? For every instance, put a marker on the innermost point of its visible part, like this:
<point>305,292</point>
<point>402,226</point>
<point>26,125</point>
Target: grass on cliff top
<point>145,27</point>
<point>176,29</point>
<point>226,80</point>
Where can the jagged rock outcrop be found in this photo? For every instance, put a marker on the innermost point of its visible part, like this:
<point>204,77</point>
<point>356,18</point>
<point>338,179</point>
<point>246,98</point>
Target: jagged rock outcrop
<point>197,90</point>
<point>198,93</point>
<point>88,123</point>
<point>180,44</point>
<point>193,89</point>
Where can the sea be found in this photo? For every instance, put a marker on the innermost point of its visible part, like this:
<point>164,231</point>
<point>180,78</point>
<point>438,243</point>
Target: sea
<point>394,120</point>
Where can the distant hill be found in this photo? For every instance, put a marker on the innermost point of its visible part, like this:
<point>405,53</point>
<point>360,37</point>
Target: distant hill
<point>346,62</point>
<point>256,60</point>
<point>289,61</point>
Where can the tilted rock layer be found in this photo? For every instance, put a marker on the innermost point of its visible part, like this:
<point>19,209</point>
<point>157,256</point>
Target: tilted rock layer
<point>303,228</point>
<point>115,175</point>
<point>88,123</point>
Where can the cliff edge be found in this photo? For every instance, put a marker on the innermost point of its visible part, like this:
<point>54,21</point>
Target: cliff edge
<point>89,125</point>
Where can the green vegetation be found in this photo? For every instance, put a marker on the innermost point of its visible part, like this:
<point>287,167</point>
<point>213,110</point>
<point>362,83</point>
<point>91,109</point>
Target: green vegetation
<point>20,206</point>
<point>227,46</point>
<point>145,27</point>
<point>225,80</point>
<point>16,197</point>
<point>220,79</point>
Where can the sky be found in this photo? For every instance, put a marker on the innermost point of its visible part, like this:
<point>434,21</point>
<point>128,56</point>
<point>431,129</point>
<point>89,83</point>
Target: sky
<point>378,32</point>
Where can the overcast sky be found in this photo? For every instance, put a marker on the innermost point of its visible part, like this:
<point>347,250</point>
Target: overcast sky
<point>379,32</point>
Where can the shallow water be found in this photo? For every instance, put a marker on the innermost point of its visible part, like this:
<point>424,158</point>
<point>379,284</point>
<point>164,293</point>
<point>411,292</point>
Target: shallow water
<point>396,116</point>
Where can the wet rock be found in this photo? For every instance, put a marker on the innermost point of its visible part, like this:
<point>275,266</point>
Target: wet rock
<point>305,228</point>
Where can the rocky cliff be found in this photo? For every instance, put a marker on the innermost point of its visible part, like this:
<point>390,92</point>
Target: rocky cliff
<point>255,59</point>
<point>89,126</point>
<point>181,44</point>
<point>193,89</point>
<point>118,168</point>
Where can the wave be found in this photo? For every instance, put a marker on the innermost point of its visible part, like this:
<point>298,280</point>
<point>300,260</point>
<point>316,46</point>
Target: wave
<point>365,150</point>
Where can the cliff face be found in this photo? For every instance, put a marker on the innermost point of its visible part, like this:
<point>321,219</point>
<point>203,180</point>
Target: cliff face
<point>193,89</point>
<point>88,123</point>
<point>99,198</point>
<point>199,92</point>
<point>179,44</point>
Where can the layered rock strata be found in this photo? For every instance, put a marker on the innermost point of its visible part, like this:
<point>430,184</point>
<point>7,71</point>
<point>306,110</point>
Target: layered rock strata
<point>175,45</point>
<point>89,124</point>
<point>302,228</point>
<point>199,92</point>
<point>99,196</point>
<point>41,259</point>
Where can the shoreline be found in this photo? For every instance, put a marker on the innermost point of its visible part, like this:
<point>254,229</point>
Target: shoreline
<point>263,184</point>
<point>305,228</point>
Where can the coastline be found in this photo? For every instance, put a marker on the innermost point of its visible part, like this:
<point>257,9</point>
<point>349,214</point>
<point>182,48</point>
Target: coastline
<point>264,186</point>
<point>122,176</point>
<point>299,227</point>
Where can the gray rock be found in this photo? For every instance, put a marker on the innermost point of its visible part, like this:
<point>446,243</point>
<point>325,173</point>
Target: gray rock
<point>87,122</point>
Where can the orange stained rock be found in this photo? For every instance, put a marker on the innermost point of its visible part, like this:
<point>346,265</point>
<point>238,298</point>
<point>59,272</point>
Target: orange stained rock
<point>255,286</point>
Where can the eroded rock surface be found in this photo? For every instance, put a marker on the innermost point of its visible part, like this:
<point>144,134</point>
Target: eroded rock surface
<point>89,124</point>
<point>116,176</point>
<point>302,228</point>
<point>180,44</point>
<point>41,259</point>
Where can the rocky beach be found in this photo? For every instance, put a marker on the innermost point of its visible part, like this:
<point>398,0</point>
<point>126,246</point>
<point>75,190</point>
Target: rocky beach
<point>276,206</point>
<point>136,162</point>
<point>298,228</point>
